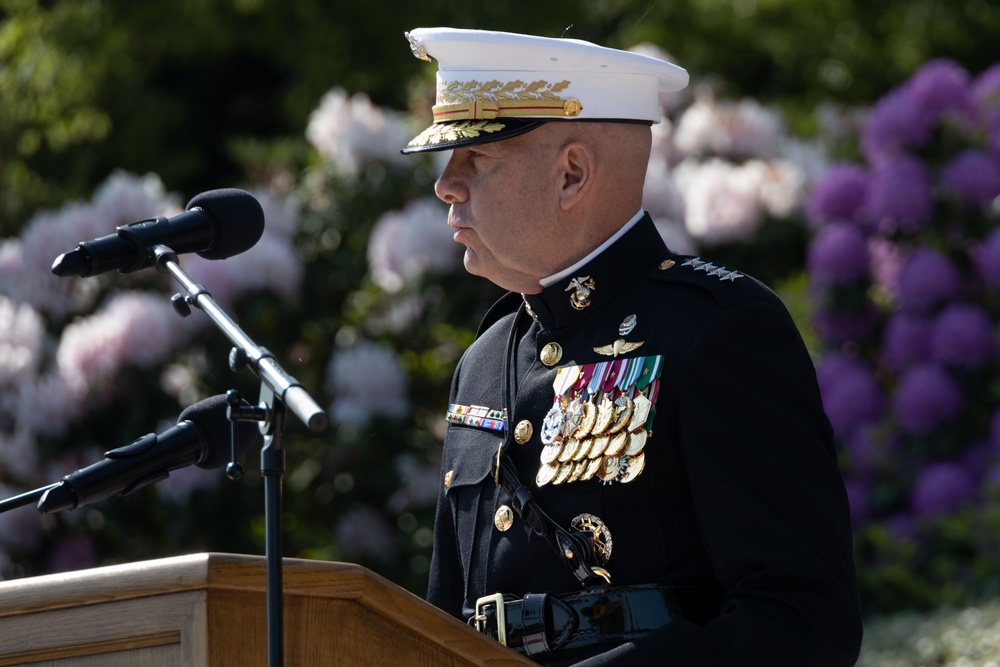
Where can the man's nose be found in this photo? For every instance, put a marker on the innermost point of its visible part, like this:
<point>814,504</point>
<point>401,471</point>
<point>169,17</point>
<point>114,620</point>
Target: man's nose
<point>450,187</point>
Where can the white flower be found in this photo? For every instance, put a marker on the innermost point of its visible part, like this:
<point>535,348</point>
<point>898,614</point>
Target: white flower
<point>131,328</point>
<point>124,198</point>
<point>405,244</point>
<point>722,199</point>
<point>351,132</point>
<point>366,380</point>
<point>731,129</point>
<point>22,335</point>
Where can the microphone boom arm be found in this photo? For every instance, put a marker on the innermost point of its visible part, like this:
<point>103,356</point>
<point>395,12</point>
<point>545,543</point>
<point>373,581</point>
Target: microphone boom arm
<point>258,359</point>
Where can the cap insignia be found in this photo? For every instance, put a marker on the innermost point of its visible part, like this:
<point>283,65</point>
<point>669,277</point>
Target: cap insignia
<point>418,49</point>
<point>582,290</point>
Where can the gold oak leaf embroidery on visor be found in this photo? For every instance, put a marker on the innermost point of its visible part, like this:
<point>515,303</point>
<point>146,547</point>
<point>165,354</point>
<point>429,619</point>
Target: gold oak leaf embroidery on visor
<point>440,133</point>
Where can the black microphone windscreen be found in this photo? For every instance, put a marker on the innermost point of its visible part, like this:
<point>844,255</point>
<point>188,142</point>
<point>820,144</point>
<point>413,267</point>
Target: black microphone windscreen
<point>239,217</point>
<point>209,415</point>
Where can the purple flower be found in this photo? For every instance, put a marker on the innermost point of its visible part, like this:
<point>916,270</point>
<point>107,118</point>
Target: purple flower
<point>962,337</point>
<point>986,89</point>
<point>987,259</point>
<point>870,449</point>
<point>887,261</point>
<point>993,131</point>
<point>941,488</point>
<point>995,431</point>
<point>838,195</point>
<point>928,278</point>
<point>838,255</point>
<point>906,341</point>
<point>851,396</point>
<point>903,527</point>
<point>844,326</point>
<point>899,196</point>
<point>941,87</point>
<point>894,123</point>
<point>973,176</point>
<point>926,397</point>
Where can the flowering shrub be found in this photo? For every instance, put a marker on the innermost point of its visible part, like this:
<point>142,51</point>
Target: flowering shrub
<point>904,267</point>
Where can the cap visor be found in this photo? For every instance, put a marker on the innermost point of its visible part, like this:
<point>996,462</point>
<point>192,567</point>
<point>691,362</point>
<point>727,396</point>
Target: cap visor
<point>456,134</point>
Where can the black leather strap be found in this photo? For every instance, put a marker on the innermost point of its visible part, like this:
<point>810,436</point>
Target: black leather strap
<point>542,624</point>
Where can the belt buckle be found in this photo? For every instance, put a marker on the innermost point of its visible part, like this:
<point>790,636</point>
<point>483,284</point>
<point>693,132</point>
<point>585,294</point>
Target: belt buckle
<point>480,618</point>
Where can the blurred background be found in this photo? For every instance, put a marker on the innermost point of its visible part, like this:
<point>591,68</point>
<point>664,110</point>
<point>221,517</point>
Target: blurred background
<point>846,153</point>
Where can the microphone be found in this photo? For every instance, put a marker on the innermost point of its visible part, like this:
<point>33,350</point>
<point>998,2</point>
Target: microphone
<point>201,437</point>
<point>216,225</point>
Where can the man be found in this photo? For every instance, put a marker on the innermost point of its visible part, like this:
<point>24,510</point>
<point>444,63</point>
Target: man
<point>638,469</point>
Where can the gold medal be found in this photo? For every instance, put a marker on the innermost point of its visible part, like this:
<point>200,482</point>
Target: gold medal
<point>622,414</point>
<point>563,474</point>
<point>587,421</point>
<point>593,465</point>
<point>550,453</point>
<point>617,443</point>
<point>545,475</point>
<point>637,440</point>
<point>634,468</point>
<point>640,412</point>
<point>605,413</point>
<point>578,469</point>
<point>597,449</point>
<point>609,468</point>
<point>571,447</point>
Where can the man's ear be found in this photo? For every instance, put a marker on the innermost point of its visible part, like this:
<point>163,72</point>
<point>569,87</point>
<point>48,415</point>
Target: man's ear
<point>578,169</point>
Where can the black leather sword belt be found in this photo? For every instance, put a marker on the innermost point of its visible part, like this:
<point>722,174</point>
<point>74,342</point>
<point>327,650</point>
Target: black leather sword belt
<point>540,624</point>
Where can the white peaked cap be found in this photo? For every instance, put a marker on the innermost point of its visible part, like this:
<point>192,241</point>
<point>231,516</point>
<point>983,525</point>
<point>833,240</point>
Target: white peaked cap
<point>494,85</point>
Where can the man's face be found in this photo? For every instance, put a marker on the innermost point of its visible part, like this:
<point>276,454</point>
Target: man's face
<point>504,200</point>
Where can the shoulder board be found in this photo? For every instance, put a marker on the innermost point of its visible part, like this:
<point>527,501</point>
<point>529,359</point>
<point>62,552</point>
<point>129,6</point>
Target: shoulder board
<point>726,285</point>
<point>505,305</point>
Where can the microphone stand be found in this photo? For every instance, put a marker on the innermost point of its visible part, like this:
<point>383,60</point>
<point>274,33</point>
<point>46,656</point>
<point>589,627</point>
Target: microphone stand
<point>278,391</point>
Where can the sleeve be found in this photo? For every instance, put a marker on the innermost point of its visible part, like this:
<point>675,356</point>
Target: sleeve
<point>769,502</point>
<point>445,589</point>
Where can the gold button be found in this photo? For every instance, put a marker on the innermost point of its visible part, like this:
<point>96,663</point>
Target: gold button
<point>551,354</point>
<point>447,478</point>
<point>503,519</point>
<point>523,431</point>
<point>666,264</point>
<point>572,107</point>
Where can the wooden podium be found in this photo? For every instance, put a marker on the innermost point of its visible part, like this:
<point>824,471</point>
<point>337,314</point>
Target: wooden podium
<point>209,609</point>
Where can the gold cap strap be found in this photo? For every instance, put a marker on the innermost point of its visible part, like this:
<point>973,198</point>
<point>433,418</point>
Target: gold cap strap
<point>488,110</point>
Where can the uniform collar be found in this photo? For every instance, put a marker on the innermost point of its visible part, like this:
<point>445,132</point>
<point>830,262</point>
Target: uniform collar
<point>600,280</point>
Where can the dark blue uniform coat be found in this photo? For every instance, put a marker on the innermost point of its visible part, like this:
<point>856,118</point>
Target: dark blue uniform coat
<point>740,503</point>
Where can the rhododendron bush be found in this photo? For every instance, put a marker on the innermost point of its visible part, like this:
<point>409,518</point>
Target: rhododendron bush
<point>904,268</point>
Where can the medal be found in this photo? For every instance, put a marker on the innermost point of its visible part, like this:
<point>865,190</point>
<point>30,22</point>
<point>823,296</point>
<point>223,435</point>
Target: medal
<point>617,444</point>
<point>545,475</point>
<point>552,425</point>
<point>605,413</point>
<point>597,449</point>
<point>634,468</point>
<point>608,469</point>
<point>550,453</point>
<point>640,411</point>
<point>636,441</point>
<point>563,474</point>
<point>570,448</point>
<point>592,467</point>
<point>622,414</point>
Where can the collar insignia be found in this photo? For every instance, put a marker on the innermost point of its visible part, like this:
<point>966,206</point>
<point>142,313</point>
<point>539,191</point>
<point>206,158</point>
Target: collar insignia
<point>582,290</point>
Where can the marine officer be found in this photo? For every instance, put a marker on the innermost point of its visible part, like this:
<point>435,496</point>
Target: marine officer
<point>638,469</point>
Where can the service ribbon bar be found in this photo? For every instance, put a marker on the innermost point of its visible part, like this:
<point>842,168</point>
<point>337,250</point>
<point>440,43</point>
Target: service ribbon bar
<point>476,416</point>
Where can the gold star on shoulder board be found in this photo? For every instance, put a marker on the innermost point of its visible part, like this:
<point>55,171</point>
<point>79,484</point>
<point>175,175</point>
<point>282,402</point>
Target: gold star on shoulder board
<point>620,346</point>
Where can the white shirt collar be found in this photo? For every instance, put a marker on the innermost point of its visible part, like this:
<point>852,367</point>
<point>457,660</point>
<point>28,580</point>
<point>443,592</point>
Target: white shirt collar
<point>553,279</point>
